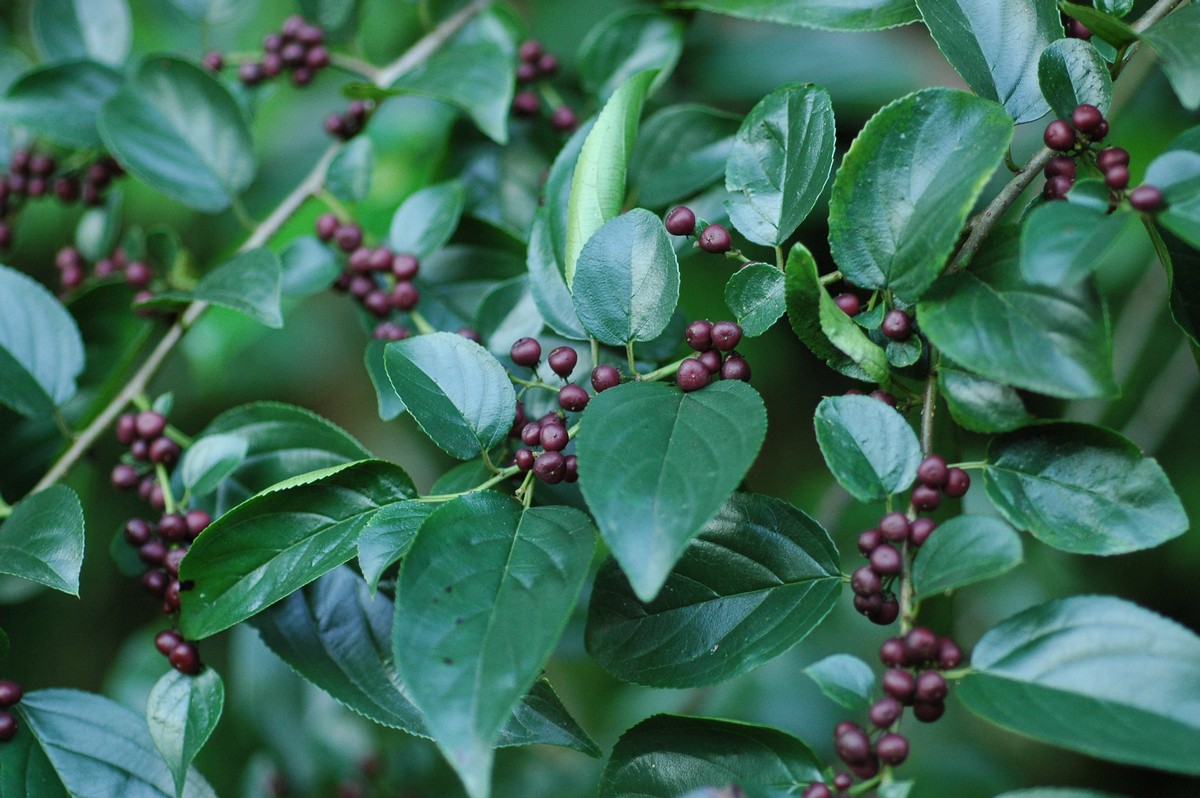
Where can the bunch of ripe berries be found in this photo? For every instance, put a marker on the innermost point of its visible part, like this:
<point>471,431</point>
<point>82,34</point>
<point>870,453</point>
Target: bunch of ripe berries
<point>32,175</point>
<point>714,238</point>
<point>716,358</point>
<point>535,66</point>
<point>549,433</point>
<point>912,680</point>
<point>73,270</point>
<point>10,695</point>
<point>299,48</point>
<point>1074,138</point>
<point>160,546</point>
<point>897,325</point>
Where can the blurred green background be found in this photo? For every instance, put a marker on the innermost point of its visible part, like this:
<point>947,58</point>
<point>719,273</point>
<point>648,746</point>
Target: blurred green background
<point>277,726</point>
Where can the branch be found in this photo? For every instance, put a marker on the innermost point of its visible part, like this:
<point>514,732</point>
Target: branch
<point>1156,12</point>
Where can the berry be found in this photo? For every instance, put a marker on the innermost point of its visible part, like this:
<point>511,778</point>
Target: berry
<point>196,521</point>
<point>844,727</point>
<point>884,397</point>
<point>139,449</point>
<point>894,527</point>
<point>931,687</point>
<point>317,58</point>
<point>124,477</point>
<point>379,259</point>
<point>886,560</point>
<point>185,658</point>
<point>865,582</point>
<point>571,466</point>
<point>1117,177</point>
<point>842,781</point>
<point>251,74</point>
<point>530,51</point>
<point>849,304</point>
<point>853,747</point>
<point>897,325</point>
<point>892,748</point>
<point>869,541</point>
<point>715,239</point>
<point>922,528</point>
<point>390,331</point>
<point>892,653</point>
<point>1100,132</point>
<point>404,296</point>
<point>553,437</point>
<point>150,424</point>
<point>949,654</point>
<point>153,552</point>
<point>348,237</point>
<point>171,598</point>
<point>166,641</point>
<point>735,367</point>
<point>214,61</point>
<point>698,335</point>
<point>1059,135</point>
<point>8,726</point>
<point>155,583</point>
<point>137,532</point>
<point>929,712</point>
<point>712,361</point>
<point>1077,30</point>
<point>605,377</point>
<point>10,693</point>
<point>868,769</point>
<point>172,528</point>
<point>816,790</point>
<point>573,398</point>
<point>932,471</point>
<point>1087,118</point>
<point>526,72</point>
<point>173,559</point>
<point>692,376</point>
<point>958,482</point>
<point>681,221</point>
<point>526,352</point>
<point>920,645</point>
<point>883,713</point>
<point>562,361</point>
<point>550,467</point>
<point>523,459</point>
<point>164,451</point>
<point>531,434</point>
<point>900,685</point>
<point>1111,156</point>
<point>1147,199</point>
<point>888,611</point>
<point>726,335</point>
<point>138,274</point>
<point>1061,166</point>
<point>526,103</point>
<point>547,65</point>
<point>870,605</point>
<point>925,498</point>
<point>563,119</point>
<point>405,266</point>
<point>1057,187</point>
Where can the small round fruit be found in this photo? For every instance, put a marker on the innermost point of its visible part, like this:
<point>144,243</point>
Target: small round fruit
<point>185,658</point>
<point>883,713</point>
<point>865,582</point>
<point>886,560</point>
<point>150,424</point>
<point>1147,199</point>
<point>681,221</point>
<point>166,641</point>
<point>932,471</point>
<point>715,239</point>
<point>887,613</point>
<point>897,325</point>
<point>894,527</point>
<point>1117,177</point>
<point>10,693</point>
<point>573,398</point>
<point>550,467</point>
<point>925,498</point>
<point>8,726</point>
<point>949,654</point>
<point>562,361</point>
<point>698,335</point>
<point>523,459</point>
<point>900,685</point>
<point>922,528</point>
<point>1059,135</point>
<point>726,335</point>
<point>892,748</point>
<point>735,367</point>
<point>929,712</point>
<point>692,376</point>
<point>869,540</point>
<point>1061,166</point>
<point>553,437</point>
<point>920,645</point>
<point>848,303</point>
<point>958,482</point>
<point>605,377</point>
<point>712,361</point>
<point>892,653</point>
<point>931,687</point>
<point>1087,118</point>
<point>1111,156</point>
<point>853,747</point>
<point>526,352</point>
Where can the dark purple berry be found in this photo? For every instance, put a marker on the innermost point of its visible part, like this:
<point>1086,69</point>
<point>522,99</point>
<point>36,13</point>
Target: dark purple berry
<point>140,450</point>
<point>925,498</point>
<point>715,239</point>
<point>883,713</point>
<point>214,61</point>
<point>570,468</point>
<point>900,685</point>
<point>681,221</point>
<point>251,74</point>
<point>958,482</point>
<point>8,726</point>
<point>526,352</point>
<point>563,119</point>
<point>171,598</point>
<point>894,527</point>
<point>849,304</point>
<point>523,459</point>
<point>317,58</point>
<point>573,398</point>
<point>405,266</point>
<point>173,559</point>
<point>816,790</point>
<point>379,259</point>
<point>360,285</point>
<point>359,260</point>
<point>531,434</point>
<point>155,583</point>
<point>920,645</point>
<point>949,654</point>
<point>897,325</point>
<point>844,727</point>
<point>892,653</point>
<point>185,658</point>
<point>922,528</point>
<point>892,748</point>
<point>1061,166</point>
<point>868,769</point>
<point>932,471</point>
<point>302,76</point>
<point>853,747</point>
<point>526,104</point>
<point>726,335</point>
<point>404,296</point>
<point>530,51</point>
<point>138,274</point>
<point>1100,132</point>
<point>550,467</point>
<point>526,73</point>
<point>167,641</point>
<point>1056,188</point>
<point>605,377</point>
<point>349,237</point>
<point>390,331</point>
<point>153,552</point>
<point>335,125</point>
<point>137,532</point>
<point>327,225</point>
<point>842,781</point>
<point>124,477</point>
<point>196,521</point>
<point>1147,199</point>
<point>692,376</point>
<point>886,560</point>
<point>929,712</point>
<point>1077,30</point>
<point>865,582</point>
<point>869,605</point>
<point>1059,135</point>
<point>698,335</point>
<point>712,361</point>
<point>547,65</point>
<point>869,541</point>
<point>1087,118</point>
<point>553,437</point>
<point>735,367</point>
<point>165,451</point>
<point>562,361</point>
<point>888,611</point>
<point>150,424</point>
<point>10,693</point>
<point>931,687</point>
<point>884,397</point>
<point>1111,156</point>
<point>1117,177</point>
<point>172,528</point>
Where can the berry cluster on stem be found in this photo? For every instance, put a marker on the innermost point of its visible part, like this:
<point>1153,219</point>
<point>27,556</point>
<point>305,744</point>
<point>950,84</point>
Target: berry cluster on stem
<point>33,175</point>
<point>534,70</point>
<point>10,695</point>
<point>298,49</point>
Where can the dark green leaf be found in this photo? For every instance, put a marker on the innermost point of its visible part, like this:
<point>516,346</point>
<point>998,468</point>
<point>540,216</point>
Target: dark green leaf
<point>329,14</point>
<point>905,188</point>
<point>1102,25</point>
<point>1174,39</point>
<point>1071,72</point>
<point>657,464</point>
<point>992,46</point>
<point>1182,263</point>
<point>210,460</point>
<point>627,280</point>
<point>625,43</point>
<point>282,539</point>
<point>307,267</point>
<point>251,284</point>
<point>459,394</point>
<point>42,540</point>
<point>851,15</point>
<point>1118,8</point>
<point>60,102</point>
<point>177,128</point>
<point>903,354</point>
<point>546,281</point>
<point>680,151</point>
<point>472,633</point>
<point>508,313</point>
<point>980,405</point>
<point>1094,674</point>
<point>964,550</point>
<point>349,174</point>
<point>780,162</point>
<point>425,221</point>
<point>755,295</point>
<point>869,447</point>
<point>99,229</point>
<point>388,537</point>
<point>667,755</point>
<point>182,713</point>
<point>67,30</point>
<point>759,577</point>
<point>1050,339</point>
<point>25,772</point>
<point>1082,489</point>
<point>99,747</point>
<point>41,351</point>
<point>1178,175</point>
<point>1057,792</point>
<point>542,718</point>
<point>390,405</point>
<point>845,679</point>
<point>1062,243</point>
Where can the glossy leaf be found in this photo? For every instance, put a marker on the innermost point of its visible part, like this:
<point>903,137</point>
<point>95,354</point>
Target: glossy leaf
<point>99,228</point>
<point>42,540</point>
<point>627,280</point>
<point>425,220</point>
<point>964,550</point>
<point>979,404</point>
<point>41,350</point>
<point>845,679</point>
<point>651,478</point>
<point>900,198</point>
<point>250,283</point>
<point>330,14</point>
<point>349,174</point>
<point>1182,263</point>
<point>1071,72</point>
<point>598,183</point>
<point>994,45</point>
<point>388,536</point>
<point>507,314</point>
<point>470,637</point>
<point>666,755</point>
<point>1082,489</point>
<point>208,461</point>
<point>760,576</point>
<point>1177,173</point>
<point>1050,339</point>
<point>849,15</point>
<point>1174,39</point>
<point>182,713</point>
<point>457,392</point>
<point>1102,25</point>
<point>389,403</point>
<point>546,281</point>
<point>871,450</point>
<point>176,127</point>
<point>1061,673</point>
<point>98,747</point>
<point>780,162</point>
<point>25,772</point>
<point>66,30</point>
<point>680,151</point>
<point>307,267</point>
<point>755,294</point>
<point>61,101</point>
<point>626,43</point>
<point>282,539</point>
<point>1062,243</point>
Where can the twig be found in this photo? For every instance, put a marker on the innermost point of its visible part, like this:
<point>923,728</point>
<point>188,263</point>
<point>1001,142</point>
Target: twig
<point>1156,12</point>
<point>419,52</point>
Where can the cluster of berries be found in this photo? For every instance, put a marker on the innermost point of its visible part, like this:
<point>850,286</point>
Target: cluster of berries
<point>347,125</point>
<point>380,279</point>
<point>73,270</point>
<point>10,696</point>
<point>897,324</point>
<point>298,48</point>
<point>714,238</point>
<point>537,65</point>
<point>550,431</point>
<point>160,546</point>
<point>1073,138</point>
<point>912,680</point>
<point>716,358</point>
<point>32,176</point>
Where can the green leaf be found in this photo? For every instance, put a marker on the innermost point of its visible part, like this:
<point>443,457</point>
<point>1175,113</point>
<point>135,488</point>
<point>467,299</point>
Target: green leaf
<point>388,536</point>
<point>1182,263</point>
<point>508,313</point>
<point>282,539</point>
<point>964,550</point>
<point>390,405</point>
<point>475,72</point>
<point>760,576</point>
<point>1178,175</point>
<point>99,229</point>
<point>182,713</point>
<point>1050,339</point>
<point>67,30</point>
<point>61,102</point>
<point>307,267</point>
<point>598,183</point>
<point>625,43</point>
<point>471,636</point>
<point>1103,25</point>
<point>627,280</point>
<point>425,220</point>
<point>1057,792</point>
<point>458,393</point>
<point>210,460</point>
<point>845,679</point>
<point>1082,489</point>
<point>542,718</point>
<point>251,284</point>
<point>680,151</point>
<point>329,14</point>
<point>666,755</point>
<point>903,354</point>
<point>25,772</point>
<point>980,405</point>
<point>904,189</point>
<point>656,465</point>
<point>177,128</point>
<point>1174,39</point>
<point>993,45</point>
<point>98,747</point>
<point>42,540</point>
<point>41,351</point>
<point>1071,72</point>
<point>871,450</point>
<point>849,15</point>
<point>1094,674</point>
<point>755,294</point>
<point>349,174</point>
<point>780,162</point>
<point>1062,243</point>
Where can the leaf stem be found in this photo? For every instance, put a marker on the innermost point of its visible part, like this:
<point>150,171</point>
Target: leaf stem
<point>866,786</point>
<point>422,324</point>
<point>164,482</point>
<point>780,260</point>
<point>666,371</point>
<point>980,464</point>
<point>339,210</point>
<point>495,480</point>
<point>632,361</point>
<point>356,65</point>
